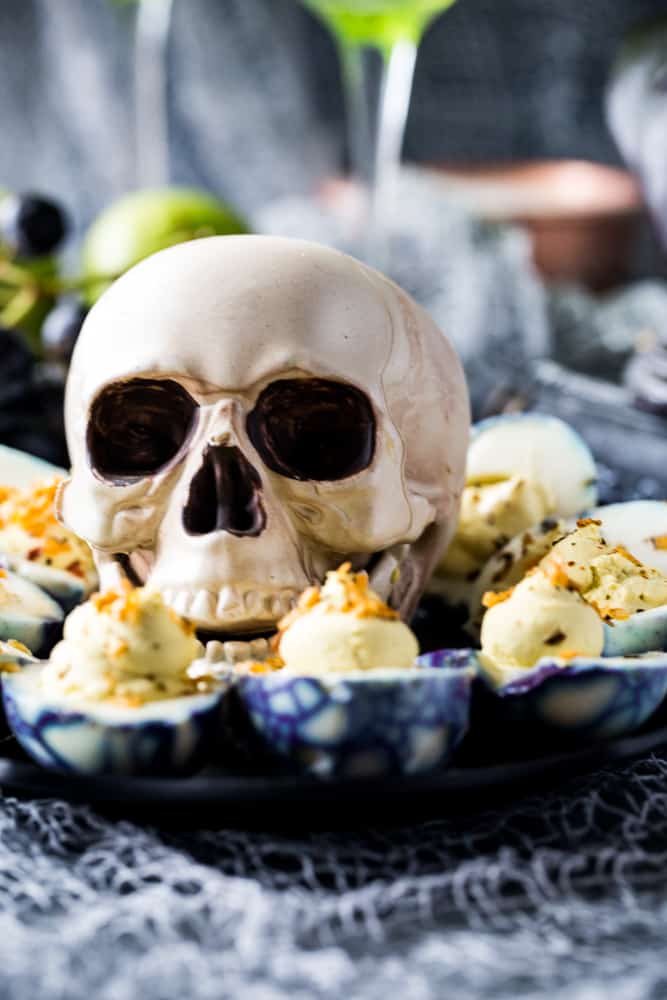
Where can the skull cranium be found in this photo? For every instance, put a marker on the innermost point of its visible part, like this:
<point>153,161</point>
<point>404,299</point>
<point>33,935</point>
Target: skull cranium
<point>244,413</point>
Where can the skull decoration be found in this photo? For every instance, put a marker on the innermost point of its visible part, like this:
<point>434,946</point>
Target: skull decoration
<point>244,413</point>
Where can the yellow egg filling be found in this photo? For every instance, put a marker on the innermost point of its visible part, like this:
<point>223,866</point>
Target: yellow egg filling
<point>125,646</point>
<point>559,609</point>
<point>30,530</point>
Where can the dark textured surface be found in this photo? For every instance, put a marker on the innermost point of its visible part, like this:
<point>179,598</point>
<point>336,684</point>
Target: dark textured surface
<point>562,896</point>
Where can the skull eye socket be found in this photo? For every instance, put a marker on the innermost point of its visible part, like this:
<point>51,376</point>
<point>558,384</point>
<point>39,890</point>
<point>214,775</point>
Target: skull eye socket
<point>137,427</point>
<point>313,429</point>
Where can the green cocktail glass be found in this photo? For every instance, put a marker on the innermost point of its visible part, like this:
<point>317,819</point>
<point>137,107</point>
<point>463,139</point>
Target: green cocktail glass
<point>379,24</point>
<point>377,120</point>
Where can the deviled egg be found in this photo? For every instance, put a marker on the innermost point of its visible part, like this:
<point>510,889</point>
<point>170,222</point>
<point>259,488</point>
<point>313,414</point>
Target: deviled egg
<point>521,469</point>
<point>585,598</point>
<point>636,529</point>
<point>116,695</point>
<point>585,698</point>
<point>39,548</point>
<point>343,694</point>
<point>549,645</point>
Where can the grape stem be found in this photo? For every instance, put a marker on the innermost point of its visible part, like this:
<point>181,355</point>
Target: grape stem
<point>14,275</point>
<point>21,279</point>
<point>19,307</point>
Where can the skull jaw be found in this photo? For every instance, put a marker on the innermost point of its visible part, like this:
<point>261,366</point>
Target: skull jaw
<point>222,607</point>
<point>400,573</point>
<point>231,609</point>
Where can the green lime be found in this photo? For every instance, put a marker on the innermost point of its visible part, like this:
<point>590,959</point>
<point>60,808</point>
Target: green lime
<point>141,223</point>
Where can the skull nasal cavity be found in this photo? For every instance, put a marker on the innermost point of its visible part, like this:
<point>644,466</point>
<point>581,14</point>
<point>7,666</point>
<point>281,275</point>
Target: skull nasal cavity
<point>225,496</point>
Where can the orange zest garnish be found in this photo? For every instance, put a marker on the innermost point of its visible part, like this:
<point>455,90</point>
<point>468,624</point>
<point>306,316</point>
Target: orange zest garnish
<point>659,542</point>
<point>116,648</point>
<point>125,605</point>
<point>267,666</point>
<point>32,509</point>
<point>32,512</point>
<point>11,667</point>
<point>56,546</point>
<point>344,592</point>
<point>556,573</point>
<point>122,604</point>
<point>127,701</point>
<point>584,522</point>
<point>610,614</point>
<point>183,623</point>
<point>15,644</point>
<point>493,597</point>
<point>622,551</point>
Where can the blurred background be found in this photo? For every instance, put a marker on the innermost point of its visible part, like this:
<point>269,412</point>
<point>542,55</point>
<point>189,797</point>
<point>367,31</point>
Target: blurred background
<point>255,101</point>
<point>535,241</point>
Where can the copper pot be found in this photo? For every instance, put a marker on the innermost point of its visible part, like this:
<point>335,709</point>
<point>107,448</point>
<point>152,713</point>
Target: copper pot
<point>582,216</point>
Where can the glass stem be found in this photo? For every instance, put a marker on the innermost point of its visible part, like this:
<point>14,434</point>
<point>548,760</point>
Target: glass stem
<point>150,83</point>
<point>356,65</point>
<point>396,92</point>
<point>378,92</point>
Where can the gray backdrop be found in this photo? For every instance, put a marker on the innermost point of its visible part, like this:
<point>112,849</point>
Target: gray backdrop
<point>255,99</point>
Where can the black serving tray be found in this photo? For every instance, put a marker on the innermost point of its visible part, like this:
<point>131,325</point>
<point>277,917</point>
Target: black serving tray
<point>288,801</point>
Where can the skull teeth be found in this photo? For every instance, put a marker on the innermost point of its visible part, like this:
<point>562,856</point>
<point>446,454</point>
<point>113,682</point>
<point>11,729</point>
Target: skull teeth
<point>255,603</point>
<point>230,604</point>
<point>231,652</point>
<point>228,601</point>
<point>168,596</point>
<point>284,603</point>
<point>182,603</point>
<point>277,606</point>
<point>203,606</point>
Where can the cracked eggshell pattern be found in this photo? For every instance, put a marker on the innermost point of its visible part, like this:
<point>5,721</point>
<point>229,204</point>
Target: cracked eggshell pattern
<point>168,738</point>
<point>588,698</point>
<point>360,725</point>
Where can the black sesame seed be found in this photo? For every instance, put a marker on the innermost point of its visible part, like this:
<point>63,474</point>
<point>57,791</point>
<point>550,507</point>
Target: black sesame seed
<point>555,639</point>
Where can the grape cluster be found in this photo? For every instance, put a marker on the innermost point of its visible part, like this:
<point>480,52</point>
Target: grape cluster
<point>42,311</point>
<point>39,324</point>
